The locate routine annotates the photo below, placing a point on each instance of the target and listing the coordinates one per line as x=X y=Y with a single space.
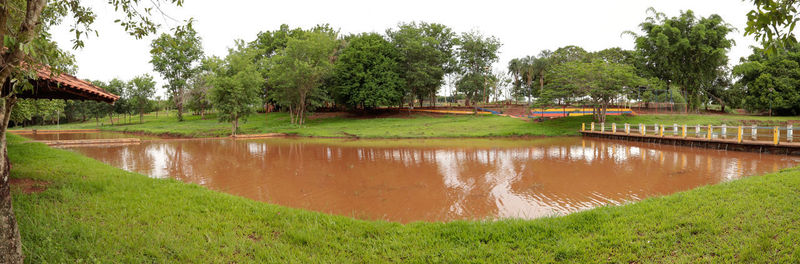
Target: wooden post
x=684 y=131
x=661 y=132
x=789 y=133
x=739 y=135
x=602 y=127
x=710 y=130
x=614 y=128
x=697 y=130
x=724 y=131
x=754 y=132
x=674 y=129
x=583 y=126
x=592 y=126
x=776 y=136
x=627 y=129
x=655 y=128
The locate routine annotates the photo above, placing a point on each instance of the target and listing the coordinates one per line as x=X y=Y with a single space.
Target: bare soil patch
x=29 y=185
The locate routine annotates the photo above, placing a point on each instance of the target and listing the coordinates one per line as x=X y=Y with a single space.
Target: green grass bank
x=412 y=126
x=92 y=212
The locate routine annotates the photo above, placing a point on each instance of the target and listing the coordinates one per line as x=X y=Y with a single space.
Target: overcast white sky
x=524 y=27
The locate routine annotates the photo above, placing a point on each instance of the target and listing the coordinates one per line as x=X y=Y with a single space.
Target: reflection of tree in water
x=438 y=183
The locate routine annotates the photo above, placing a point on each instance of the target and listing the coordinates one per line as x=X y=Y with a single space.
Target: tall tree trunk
x=10 y=242
x=179 y=104
x=235 y=124
x=141 y=116
x=541 y=84
x=111 y=118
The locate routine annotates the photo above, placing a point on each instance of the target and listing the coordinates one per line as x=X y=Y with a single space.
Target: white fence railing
x=774 y=134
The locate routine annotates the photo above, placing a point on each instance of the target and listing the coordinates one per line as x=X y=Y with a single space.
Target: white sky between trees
x=524 y=27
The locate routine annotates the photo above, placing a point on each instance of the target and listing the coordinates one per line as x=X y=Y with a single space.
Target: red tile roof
x=65 y=86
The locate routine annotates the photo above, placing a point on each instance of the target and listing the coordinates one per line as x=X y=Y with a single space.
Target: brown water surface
x=438 y=179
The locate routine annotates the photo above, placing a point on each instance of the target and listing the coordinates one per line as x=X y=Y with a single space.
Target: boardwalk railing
x=774 y=135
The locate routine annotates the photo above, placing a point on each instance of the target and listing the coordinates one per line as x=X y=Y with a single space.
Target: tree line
x=681 y=59
x=299 y=70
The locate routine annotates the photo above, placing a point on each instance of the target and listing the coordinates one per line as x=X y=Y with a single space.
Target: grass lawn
x=415 y=126
x=92 y=212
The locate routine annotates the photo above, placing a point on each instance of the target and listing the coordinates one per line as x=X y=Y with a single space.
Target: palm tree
x=515 y=69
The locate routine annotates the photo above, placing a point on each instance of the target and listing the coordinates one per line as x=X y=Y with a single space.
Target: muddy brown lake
x=438 y=179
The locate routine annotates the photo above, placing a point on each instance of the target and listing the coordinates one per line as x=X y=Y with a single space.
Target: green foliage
x=41 y=110
x=201 y=84
x=123 y=105
x=770 y=83
x=236 y=83
x=773 y=22
x=685 y=50
x=175 y=56
x=476 y=54
x=528 y=74
x=140 y=89
x=426 y=51
x=269 y=43
x=600 y=81
x=367 y=73
x=297 y=72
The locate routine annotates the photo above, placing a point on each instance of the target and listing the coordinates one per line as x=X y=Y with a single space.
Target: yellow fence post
x=739 y=134
x=614 y=128
x=710 y=130
x=683 y=132
x=583 y=126
x=661 y=133
x=627 y=129
x=776 y=136
x=642 y=129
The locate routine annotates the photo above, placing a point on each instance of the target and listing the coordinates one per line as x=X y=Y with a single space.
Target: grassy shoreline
x=92 y=212
x=412 y=126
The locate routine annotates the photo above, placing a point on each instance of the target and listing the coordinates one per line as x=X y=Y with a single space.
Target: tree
x=100 y=110
x=37 y=111
x=201 y=84
x=297 y=72
x=530 y=73
x=367 y=74
x=426 y=51
x=772 y=22
x=770 y=82
x=175 y=56
x=476 y=54
x=515 y=70
x=266 y=45
x=236 y=83
x=599 y=81
x=75 y=110
x=141 y=89
x=684 y=50
x=26 y=41
x=123 y=104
